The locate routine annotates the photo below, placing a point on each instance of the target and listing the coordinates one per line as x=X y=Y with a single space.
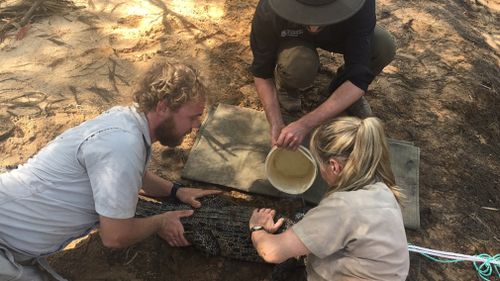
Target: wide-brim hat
x=289 y=171
x=316 y=12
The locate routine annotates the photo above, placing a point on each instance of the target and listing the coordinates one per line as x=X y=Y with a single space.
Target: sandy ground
x=441 y=92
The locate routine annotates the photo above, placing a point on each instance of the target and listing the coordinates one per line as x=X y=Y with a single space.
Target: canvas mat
x=232 y=145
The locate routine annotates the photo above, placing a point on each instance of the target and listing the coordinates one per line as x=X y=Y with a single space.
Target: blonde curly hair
x=175 y=83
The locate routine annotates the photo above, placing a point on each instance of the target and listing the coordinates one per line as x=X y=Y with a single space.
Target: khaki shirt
x=356 y=235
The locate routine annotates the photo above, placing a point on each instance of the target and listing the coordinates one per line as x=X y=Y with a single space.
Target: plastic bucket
x=292 y=172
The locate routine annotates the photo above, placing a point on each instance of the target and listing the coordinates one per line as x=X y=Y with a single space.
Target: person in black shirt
x=284 y=38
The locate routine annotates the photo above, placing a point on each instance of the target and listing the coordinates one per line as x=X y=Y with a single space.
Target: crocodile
x=218 y=228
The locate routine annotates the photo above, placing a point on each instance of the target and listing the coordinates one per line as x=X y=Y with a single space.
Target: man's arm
x=294 y=133
x=264 y=43
x=156 y=186
x=269 y=98
x=348 y=86
x=121 y=233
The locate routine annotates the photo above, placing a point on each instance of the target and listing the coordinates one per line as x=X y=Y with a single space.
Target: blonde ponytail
x=362 y=147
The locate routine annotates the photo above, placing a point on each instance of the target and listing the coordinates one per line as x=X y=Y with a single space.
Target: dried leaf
x=23 y=31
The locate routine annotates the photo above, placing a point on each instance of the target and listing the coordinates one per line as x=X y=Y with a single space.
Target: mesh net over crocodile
x=218 y=228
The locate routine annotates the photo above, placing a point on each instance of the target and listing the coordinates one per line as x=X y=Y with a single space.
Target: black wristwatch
x=256 y=228
x=175 y=188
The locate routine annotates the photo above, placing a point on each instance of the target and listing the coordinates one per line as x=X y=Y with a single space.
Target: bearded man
x=91 y=176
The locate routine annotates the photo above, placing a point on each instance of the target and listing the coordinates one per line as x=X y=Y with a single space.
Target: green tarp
x=233 y=143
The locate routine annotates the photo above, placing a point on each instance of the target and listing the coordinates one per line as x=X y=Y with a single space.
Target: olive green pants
x=298 y=62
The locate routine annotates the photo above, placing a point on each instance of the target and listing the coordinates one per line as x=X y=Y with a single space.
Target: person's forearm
x=156 y=186
x=269 y=98
x=268 y=246
x=339 y=100
x=123 y=233
x=276 y=248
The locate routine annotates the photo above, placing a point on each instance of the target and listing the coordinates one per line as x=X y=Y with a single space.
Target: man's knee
x=383 y=49
x=297 y=65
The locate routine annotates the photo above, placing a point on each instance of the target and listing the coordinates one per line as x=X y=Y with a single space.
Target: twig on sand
x=21 y=14
x=490 y=208
x=111 y=75
x=116 y=6
x=484 y=86
x=25 y=19
x=105 y=94
x=74 y=91
x=88 y=66
x=486 y=226
x=30 y=12
x=131 y=259
x=57 y=42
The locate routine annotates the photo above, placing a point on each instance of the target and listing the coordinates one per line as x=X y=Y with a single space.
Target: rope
x=484 y=264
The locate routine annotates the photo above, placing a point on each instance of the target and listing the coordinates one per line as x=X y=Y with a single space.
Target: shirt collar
x=143 y=123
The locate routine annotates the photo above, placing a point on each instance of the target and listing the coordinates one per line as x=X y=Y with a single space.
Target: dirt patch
x=441 y=92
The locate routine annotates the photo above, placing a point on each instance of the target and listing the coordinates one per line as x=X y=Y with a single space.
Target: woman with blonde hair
x=356 y=232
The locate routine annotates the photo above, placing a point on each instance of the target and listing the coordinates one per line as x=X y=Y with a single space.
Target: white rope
x=450 y=255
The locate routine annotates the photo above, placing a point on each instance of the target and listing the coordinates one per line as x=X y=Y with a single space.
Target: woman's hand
x=265 y=218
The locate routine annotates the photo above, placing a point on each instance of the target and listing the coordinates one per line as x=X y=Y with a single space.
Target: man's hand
x=172 y=229
x=275 y=133
x=265 y=218
x=292 y=135
x=189 y=195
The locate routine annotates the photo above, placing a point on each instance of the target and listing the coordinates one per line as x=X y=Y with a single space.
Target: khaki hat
x=292 y=172
x=316 y=12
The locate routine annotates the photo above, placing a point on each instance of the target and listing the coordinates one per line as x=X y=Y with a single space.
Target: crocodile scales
x=219 y=227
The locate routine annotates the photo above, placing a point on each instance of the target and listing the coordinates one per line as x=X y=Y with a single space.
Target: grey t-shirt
x=93 y=169
x=355 y=235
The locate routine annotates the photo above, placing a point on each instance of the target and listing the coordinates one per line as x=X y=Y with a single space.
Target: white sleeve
x=115 y=162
